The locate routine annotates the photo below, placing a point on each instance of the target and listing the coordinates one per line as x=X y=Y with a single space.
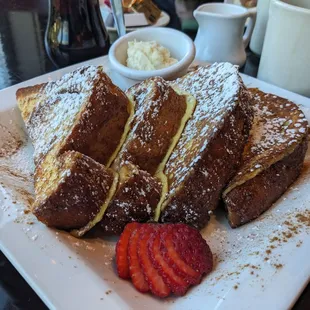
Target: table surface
x=23 y=56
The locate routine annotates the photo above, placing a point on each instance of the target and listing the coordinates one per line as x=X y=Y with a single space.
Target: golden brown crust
x=279 y=126
x=81 y=188
x=248 y=201
x=134 y=201
x=98 y=131
x=27 y=99
x=158 y=114
x=211 y=145
x=82 y=111
x=201 y=191
x=272 y=158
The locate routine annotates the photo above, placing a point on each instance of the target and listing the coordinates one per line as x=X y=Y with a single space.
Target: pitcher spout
x=199 y=15
x=220 y=35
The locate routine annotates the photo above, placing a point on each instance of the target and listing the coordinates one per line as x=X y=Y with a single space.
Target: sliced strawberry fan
x=162 y=258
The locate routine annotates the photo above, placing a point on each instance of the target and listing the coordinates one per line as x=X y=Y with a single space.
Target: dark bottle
x=75 y=32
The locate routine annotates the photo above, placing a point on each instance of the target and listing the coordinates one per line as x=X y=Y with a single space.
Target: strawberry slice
x=174 y=260
x=162 y=258
x=122 y=250
x=192 y=248
x=156 y=283
x=177 y=284
x=135 y=270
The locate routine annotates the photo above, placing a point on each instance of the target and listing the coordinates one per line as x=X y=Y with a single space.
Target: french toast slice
x=135 y=199
x=161 y=112
x=83 y=110
x=272 y=158
x=210 y=148
x=72 y=191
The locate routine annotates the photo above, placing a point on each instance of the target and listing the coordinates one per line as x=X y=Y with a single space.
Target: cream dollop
x=148 y=55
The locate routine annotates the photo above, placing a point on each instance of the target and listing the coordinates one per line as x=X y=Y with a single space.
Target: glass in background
x=75 y=32
x=285 y=60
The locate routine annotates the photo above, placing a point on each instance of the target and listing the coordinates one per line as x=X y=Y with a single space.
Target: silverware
x=118 y=15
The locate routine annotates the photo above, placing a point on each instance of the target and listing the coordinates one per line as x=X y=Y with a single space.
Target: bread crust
x=135 y=200
x=81 y=188
x=210 y=148
x=247 y=202
x=99 y=129
x=82 y=111
x=158 y=114
x=272 y=158
x=200 y=193
x=27 y=99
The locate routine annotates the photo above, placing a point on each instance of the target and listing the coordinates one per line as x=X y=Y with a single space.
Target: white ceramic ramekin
x=179 y=44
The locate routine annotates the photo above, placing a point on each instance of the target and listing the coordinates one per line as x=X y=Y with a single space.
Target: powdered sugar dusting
x=135 y=200
x=58 y=107
x=71 y=167
x=232 y=248
x=216 y=89
x=278 y=128
x=152 y=127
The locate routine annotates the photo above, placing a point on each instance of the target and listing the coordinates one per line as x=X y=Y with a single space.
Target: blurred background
x=22 y=28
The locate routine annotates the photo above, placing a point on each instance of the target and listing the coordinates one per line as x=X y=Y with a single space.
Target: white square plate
x=262 y=265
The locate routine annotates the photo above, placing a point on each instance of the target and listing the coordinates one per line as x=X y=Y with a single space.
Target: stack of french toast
x=162 y=151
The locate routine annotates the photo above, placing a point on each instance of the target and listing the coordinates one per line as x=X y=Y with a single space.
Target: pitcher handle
x=248 y=33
